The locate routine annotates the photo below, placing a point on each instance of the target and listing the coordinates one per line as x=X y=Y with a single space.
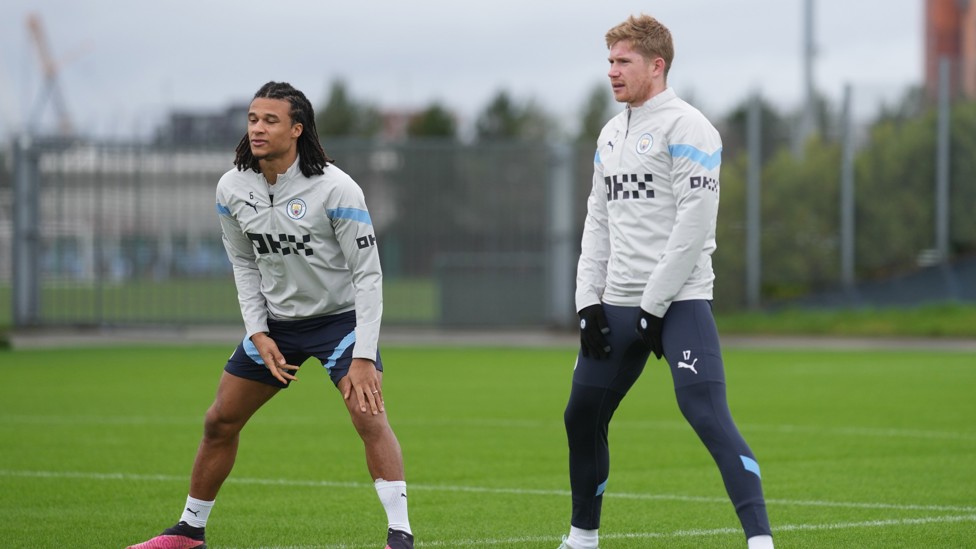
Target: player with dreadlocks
x=307 y=270
x=312 y=160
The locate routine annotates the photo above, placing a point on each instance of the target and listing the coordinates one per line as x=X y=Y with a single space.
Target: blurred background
x=848 y=176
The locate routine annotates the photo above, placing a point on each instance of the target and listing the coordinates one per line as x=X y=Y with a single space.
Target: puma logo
x=689 y=366
x=192 y=511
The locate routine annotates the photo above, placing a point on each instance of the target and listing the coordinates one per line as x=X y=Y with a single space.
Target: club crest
x=296 y=208
x=644 y=143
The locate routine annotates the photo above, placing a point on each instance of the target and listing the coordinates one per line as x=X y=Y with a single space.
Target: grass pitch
x=857 y=448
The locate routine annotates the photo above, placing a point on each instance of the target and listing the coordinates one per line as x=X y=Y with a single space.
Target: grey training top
x=302 y=248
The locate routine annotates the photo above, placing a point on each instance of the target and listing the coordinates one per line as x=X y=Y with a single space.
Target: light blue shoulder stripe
x=596 y=158
x=708 y=161
x=223 y=210
x=354 y=214
x=341 y=348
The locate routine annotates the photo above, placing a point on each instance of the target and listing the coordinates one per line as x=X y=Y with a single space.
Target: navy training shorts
x=329 y=338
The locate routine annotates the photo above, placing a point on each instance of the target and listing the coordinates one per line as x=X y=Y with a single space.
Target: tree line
x=894 y=181
x=894 y=173
x=504 y=118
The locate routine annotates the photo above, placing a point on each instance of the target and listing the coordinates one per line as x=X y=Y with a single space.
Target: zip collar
x=292 y=172
x=667 y=95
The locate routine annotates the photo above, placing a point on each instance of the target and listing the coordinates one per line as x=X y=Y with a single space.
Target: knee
x=370 y=427
x=579 y=417
x=589 y=410
x=702 y=420
x=217 y=426
x=706 y=414
x=577 y=413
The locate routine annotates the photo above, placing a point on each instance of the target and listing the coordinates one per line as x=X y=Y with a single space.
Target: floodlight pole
x=807 y=120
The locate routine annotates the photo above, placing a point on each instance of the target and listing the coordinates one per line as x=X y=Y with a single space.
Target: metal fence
x=124 y=234
x=487 y=234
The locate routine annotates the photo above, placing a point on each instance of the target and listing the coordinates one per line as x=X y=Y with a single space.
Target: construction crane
x=51 y=87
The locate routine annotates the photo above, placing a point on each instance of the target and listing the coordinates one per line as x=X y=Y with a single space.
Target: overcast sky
x=126 y=63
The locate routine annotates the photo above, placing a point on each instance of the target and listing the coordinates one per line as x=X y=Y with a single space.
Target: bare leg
x=383 y=457
x=237 y=400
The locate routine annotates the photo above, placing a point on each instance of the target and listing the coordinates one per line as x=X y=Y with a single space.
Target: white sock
x=393 y=496
x=196 y=512
x=583 y=539
x=760 y=542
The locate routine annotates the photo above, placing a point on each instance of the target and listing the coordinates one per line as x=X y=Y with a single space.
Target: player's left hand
x=364 y=382
x=650 y=329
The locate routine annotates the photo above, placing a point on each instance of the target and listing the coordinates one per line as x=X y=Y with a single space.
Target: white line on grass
x=862 y=431
x=502 y=423
x=483 y=490
x=98 y=420
x=880 y=432
x=662 y=535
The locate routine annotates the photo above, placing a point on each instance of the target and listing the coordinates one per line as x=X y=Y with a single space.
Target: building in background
x=225 y=128
x=204 y=129
x=950 y=32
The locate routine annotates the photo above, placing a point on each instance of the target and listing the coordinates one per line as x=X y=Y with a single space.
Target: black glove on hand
x=593 y=332
x=649 y=328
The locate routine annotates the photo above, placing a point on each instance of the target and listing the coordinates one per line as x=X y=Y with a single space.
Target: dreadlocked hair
x=312 y=159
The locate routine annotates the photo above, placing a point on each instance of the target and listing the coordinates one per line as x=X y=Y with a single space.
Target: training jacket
x=301 y=248
x=650 y=225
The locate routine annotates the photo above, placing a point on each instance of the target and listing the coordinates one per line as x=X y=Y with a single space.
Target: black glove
x=649 y=328
x=593 y=332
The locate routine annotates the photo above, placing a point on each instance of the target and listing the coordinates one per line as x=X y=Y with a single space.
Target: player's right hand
x=274 y=361
x=593 y=332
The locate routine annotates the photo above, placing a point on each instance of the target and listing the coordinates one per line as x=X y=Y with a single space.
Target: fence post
x=560 y=262
x=942 y=178
x=847 y=234
x=942 y=163
x=26 y=235
x=753 y=203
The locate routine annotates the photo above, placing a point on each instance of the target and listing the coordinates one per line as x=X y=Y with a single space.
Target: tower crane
x=51 y=85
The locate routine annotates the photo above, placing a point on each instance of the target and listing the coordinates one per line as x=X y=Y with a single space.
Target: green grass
x=858 y=449
x=415 y=301
x=196 y=301
x=936 y=320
